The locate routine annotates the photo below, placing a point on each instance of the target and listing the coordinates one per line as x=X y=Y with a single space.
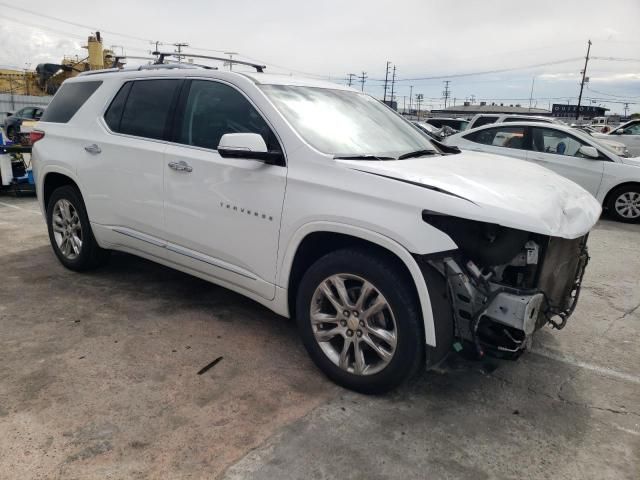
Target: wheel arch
x=315 y=240
x=53 y=180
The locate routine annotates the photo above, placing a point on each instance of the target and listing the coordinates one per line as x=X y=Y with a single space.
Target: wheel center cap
x=352 y=323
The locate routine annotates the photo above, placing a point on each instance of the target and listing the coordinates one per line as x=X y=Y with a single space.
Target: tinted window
x=557 y=142
x=435 y=122
x=508 y=137
x=484 y=121
x=26 y=113
x=213 y=109
x=524 y=119
x=114 y=113
x=147 y=108
x=68 y=101
x=632 y=129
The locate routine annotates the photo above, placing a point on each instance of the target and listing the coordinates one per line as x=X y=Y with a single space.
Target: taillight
x=36 y=135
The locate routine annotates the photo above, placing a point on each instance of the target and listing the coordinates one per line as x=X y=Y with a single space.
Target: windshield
x=346 y=123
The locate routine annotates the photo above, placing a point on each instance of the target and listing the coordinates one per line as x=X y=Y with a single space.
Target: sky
x=539 y=42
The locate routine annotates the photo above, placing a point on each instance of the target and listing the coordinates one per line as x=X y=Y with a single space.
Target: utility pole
x=626 y=109
x=419 y=98
x=351 y=75
x=472 y=98
x=410 y=97
x=386 y=80
x=231 y=54
x=393 y=84
x=446 y=93
x=362 y=78
x=157 y=43
x=584 y=73
x=179 y=50
x=533 y=81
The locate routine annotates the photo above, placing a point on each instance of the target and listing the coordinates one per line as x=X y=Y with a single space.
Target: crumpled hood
x=509 y=192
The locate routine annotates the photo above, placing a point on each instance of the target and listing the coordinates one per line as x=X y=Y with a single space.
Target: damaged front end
x=504 y=284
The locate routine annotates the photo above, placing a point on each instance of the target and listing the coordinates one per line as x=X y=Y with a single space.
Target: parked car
x=433 y=132
x=319 y=202
x=22 y=121
x=619 y=148
x=612 y=179
x=458 y=124
x=487 y=118
x=627 y=133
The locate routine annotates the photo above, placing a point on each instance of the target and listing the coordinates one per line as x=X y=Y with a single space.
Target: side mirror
x=588 y=151
x=248 y=146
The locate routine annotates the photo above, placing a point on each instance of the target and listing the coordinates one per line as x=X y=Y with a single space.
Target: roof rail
x=162 y=55
x=167 y=66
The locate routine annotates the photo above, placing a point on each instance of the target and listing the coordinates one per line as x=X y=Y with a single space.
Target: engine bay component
x=506 y=284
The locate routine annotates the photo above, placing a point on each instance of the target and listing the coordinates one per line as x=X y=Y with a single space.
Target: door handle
x=93 y=149
x=181 y=166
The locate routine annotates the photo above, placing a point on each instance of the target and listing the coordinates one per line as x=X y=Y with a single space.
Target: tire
x=623 y=203
x=396 y=329
x=11 y=133
x=67 y=222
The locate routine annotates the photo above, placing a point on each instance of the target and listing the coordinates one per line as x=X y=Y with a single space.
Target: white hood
x=634 y=161
x=506 y=191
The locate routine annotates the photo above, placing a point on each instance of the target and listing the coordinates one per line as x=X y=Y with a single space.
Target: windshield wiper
x=417 y=153
x=363 y=157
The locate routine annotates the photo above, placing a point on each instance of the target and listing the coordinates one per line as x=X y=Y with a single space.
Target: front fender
x=394 y=247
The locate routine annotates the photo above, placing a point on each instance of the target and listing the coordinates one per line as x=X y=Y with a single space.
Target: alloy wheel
x=627 y=205
x=353 y=324
x=67 y=230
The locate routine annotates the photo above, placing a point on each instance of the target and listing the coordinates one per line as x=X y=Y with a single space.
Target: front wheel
x=624 y=204
x=358 y=318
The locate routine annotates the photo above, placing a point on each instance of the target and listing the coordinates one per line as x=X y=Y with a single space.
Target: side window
x=114 y=112
x=26 y=113
x=213 y=109
x=68 y=101
x=484 y=121
x=434 y=122
x=37 y=114
x=508 y=137
x=632 y=129
x=557 y=142
x=147 y=108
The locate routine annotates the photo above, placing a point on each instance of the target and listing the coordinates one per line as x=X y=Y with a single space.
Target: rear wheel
x=70 y=231
x=358 y=318
x=624 y=203
x=11 y=133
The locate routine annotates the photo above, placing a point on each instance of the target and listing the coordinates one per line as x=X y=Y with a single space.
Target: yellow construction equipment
x=47 y=77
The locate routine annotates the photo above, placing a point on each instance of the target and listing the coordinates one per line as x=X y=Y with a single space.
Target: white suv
x=319 y=202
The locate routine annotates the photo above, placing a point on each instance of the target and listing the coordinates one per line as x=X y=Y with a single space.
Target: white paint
x=607 y=372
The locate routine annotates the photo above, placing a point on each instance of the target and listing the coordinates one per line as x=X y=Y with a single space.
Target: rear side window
x=142 y=108
x=508 y=137
x=68 y=101
x=484 y=121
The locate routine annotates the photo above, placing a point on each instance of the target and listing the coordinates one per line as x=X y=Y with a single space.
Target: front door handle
x=181 y=166
x=93 y=149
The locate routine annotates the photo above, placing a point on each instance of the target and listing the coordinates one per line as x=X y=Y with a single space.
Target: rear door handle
x=93 y=149
x=181 y=166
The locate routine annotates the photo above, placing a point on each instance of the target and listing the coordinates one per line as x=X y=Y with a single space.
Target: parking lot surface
x=100 y=380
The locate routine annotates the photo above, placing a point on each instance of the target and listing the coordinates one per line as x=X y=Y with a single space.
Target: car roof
x=523 y=123
x=188 y=71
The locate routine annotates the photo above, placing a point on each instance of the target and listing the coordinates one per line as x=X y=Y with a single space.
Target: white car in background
x=627 y=133
x=612 y=179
